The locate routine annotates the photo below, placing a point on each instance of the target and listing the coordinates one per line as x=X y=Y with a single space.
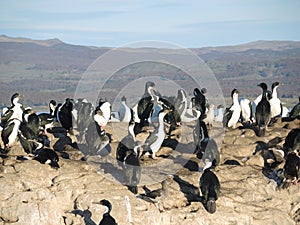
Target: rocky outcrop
x=34 y=193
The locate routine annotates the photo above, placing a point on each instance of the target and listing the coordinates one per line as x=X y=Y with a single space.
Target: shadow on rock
x=86 y=214
x=189 y=190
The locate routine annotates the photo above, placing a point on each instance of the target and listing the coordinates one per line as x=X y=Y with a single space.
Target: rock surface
x=34 y=193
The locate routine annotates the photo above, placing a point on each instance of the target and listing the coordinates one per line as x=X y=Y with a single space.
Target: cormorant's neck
x=264 y=94
x=131 y=131
x=15 y=101
x=161 y=118
x=235 y=99
x=52 y=109
x=274 y=92
x=107 y=210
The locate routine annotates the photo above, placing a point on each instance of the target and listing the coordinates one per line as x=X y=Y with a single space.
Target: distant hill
x=255 y=45
x=46 y=69
x=50 y=42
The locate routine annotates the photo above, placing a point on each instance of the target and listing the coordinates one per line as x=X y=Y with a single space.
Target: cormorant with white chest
x=232 y=114
x=15 y=111
x=48 y=118
x=124 y=111
x=156 y=138
x=275 y=103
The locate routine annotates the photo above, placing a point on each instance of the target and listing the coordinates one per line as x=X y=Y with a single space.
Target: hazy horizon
x=136 y=45
x=115 y=23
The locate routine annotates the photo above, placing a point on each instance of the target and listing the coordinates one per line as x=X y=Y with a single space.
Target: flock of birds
x=150 y=115
x=281 y=163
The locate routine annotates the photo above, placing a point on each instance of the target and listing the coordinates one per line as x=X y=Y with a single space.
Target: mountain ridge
x=276 y=45
x=33 y=66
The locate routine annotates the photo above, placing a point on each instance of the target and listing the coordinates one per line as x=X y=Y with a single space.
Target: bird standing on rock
x=127 y=154
x=210 y=189
x=124 y=111
x=146 y=104
x=275 y=103
x=232 y=114
x=48 y=118
x=156 y=138
x=246 y=110
x=64 y=115
x=15 y=111
x=263 y=111
x=103 y=113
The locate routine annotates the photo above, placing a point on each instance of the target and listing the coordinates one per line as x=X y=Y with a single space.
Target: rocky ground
x=34 y=193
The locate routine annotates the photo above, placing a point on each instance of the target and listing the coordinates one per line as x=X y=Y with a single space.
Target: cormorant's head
x=275 y=84
x=263 y=86
x=233 y=92
x=123 y=99
x=15 y=98
x=105 y=203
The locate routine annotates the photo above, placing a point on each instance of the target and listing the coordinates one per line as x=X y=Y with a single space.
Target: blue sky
x=189 y=23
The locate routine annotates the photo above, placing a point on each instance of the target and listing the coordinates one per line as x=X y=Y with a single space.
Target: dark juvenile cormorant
x=146 y=103
x=64 y=115
x=263 y=112
x=210 y=189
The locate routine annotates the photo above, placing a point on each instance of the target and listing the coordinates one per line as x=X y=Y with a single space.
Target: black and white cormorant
x=124 y=111
x=9 y=133
x=246 y=110
x=232 y=114
x=29 y=131
x=46 y=119
x=103 y=113
x=156 y=138
x=127 y=154
x=47 y=156
x=199 y=102
x=206 y=148
x=132 y=169
x=95 y=136
x=263 y=111
x=275 y=103
x=15 y=111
